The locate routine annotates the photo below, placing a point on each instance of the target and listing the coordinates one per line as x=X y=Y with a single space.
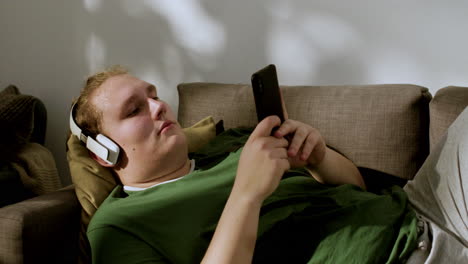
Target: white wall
x=48 y=47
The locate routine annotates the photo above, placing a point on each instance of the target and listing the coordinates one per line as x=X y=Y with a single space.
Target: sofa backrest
x=444 y=108
x=382 y=127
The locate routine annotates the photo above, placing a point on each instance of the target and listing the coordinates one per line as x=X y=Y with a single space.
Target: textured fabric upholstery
x=382 y=127
x=447 y=104
x=43 y=229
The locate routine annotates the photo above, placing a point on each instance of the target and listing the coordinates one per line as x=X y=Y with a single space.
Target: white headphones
x=102 y=146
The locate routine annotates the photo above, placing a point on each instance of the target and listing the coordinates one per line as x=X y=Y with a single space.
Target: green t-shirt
x=303 y=221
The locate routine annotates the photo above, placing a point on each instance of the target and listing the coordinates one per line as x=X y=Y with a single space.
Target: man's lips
x=164 y=125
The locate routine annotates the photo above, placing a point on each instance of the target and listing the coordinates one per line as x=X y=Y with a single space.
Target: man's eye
x=134 y=112
x=156 y=98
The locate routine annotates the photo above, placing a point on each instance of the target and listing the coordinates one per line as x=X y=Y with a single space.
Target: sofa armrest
x=444 y=108
x=42 y=229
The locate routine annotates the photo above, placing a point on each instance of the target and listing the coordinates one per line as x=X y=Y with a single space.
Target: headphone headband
x=102 y=146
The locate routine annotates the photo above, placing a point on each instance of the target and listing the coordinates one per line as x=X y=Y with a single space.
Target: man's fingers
x=285 y=165
x=279 y=153
x=265 y=127
x=281 y=131
x=308 y=147
x=298 y=140
x=272 y=143
x=286 y=128
x=279 y=142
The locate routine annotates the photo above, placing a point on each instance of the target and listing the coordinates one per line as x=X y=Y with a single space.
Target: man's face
x=140 y=123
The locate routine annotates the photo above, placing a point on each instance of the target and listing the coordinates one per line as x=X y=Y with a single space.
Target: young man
x=239 y=210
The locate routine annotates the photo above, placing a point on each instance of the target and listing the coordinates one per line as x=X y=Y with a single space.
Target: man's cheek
x=137 y=131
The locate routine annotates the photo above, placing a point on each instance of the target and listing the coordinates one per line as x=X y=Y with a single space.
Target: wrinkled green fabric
x=303 y=221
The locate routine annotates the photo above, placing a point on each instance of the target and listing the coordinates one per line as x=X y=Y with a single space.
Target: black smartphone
x=267 y=94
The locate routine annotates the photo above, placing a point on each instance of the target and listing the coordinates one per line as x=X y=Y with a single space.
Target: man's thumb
x=265 y=126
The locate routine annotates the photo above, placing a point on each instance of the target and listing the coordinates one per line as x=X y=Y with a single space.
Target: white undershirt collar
x=134 y=189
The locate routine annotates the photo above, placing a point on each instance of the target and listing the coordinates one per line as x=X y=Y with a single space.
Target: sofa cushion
x=382 y=127
x=444 y=108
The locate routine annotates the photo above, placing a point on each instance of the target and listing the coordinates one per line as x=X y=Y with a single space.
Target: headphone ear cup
x=108 y=143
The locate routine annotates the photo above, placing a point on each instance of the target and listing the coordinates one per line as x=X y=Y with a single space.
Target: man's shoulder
x=113 y=205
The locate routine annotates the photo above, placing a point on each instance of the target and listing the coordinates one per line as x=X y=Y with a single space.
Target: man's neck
x=179 y=171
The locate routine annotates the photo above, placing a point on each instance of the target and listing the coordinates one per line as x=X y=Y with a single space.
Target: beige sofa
x=389 y=128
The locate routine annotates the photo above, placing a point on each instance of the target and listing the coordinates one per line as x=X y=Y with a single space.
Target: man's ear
x=100 y=161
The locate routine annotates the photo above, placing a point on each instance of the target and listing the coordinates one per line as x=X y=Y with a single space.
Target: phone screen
x=267 y=94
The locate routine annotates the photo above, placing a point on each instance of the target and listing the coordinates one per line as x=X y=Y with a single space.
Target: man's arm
x=307 y=148
x=236 y=234
x=336 y=169
x=262 y=163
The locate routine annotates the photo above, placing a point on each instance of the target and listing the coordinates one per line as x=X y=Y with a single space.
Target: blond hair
x=87 y=116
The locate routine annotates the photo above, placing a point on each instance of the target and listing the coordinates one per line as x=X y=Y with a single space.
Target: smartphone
x=267 y=94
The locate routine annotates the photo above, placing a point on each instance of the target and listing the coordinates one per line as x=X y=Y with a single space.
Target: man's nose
x=156 y=108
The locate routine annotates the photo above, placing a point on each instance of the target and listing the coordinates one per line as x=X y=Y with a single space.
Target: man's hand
x=263 y=162
x=306 y=147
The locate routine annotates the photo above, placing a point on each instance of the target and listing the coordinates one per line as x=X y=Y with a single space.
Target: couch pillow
x=93 y=183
